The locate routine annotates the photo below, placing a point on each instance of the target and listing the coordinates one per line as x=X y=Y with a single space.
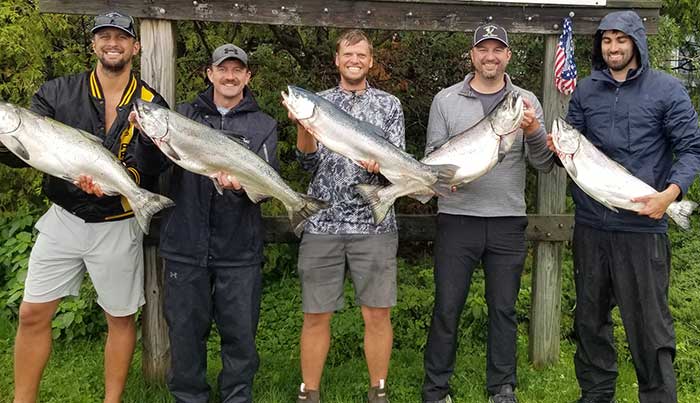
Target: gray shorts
x=67 y=246
x=370 y=259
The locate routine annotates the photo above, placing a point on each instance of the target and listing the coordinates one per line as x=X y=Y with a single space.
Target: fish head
x=299 y=102
x=566 y=139
x=153 y=119
x=506 y=118
x=10 y=119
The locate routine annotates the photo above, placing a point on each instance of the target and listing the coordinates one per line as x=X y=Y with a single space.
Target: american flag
x=564 y=64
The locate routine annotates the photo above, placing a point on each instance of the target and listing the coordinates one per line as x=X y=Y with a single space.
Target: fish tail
x=445 y=173
x=311 y=206
x=680 y=212
x=380 y=206
x=146 y=204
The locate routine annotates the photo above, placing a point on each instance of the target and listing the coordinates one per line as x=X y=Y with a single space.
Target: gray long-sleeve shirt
x=501 y=191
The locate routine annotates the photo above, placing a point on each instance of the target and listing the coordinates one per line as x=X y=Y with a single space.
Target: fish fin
x=298 y=218
x=237 y=138
x=368 y=127
x=168 y=151
x=217 y=186
x=502 y=150
x=445 y=173
x=604 y=202
x=680 y=212
x=573 y=171
x=145 y=204
x=422 y=197
x=17 y=147
x=256 y=197
x=380 y=207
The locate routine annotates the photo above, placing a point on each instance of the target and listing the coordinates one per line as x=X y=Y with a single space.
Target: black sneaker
x=595 y=399
x=377 y=394
x=446 y=399
x=308 y=396
x=505 y=395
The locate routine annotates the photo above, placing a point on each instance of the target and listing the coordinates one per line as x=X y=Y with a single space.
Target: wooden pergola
x=549 y=229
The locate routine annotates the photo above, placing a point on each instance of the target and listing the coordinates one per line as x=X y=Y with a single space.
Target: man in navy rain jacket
x=213 y=245
x=643 y=119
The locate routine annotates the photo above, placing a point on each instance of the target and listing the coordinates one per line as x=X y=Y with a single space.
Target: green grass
x=74 y=374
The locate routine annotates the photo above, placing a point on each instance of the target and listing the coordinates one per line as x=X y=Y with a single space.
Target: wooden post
x=551 y=199
x=158 y=70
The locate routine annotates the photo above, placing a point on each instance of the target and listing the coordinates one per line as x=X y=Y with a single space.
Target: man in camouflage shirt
x=345 y=234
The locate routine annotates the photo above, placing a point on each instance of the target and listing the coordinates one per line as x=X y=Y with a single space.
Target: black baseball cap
x=114 y=19
x=490 y=31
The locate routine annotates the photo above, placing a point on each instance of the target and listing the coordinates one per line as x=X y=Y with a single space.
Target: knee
x=317 y=321
x=120 y=323
x=35 y=316
x=376 y=318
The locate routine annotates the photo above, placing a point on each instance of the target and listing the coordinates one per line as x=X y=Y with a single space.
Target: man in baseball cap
x=473 y=229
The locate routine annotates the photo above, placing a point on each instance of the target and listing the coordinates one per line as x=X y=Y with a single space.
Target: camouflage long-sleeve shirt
x=335 y=176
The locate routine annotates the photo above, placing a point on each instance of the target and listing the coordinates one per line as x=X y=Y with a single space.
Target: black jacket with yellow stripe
x=78 y=101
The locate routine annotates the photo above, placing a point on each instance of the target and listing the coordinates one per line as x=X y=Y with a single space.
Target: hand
x=227 y=181
x=550 y=143
x=85 y=183
x=371 y=166
x=530 y=124
x=655 y=205
x=133 y=119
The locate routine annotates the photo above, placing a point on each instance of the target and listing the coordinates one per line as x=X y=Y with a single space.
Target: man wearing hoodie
x=213 y=244
x=643 y=119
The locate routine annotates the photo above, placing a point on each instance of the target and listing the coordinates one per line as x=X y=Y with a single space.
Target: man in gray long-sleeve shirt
x=484 y=220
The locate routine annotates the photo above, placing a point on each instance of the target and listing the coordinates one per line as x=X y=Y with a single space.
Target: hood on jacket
x=631 y=25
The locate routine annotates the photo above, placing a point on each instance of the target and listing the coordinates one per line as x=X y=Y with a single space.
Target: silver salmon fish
x=605 y=180
x=205 y=151
x=475 y=151
x=66 y=152
x=361 y=141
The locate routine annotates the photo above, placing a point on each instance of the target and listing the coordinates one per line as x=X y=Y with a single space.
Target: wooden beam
x=447 y=15
x=158 y=44
x=421 y=228
x=551 y=199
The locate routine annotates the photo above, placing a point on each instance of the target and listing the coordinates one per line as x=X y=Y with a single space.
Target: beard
x=115 y=66
x=619 y=65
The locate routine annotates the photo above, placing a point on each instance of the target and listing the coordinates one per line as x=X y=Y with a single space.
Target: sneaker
x=446 y=399
x=595 y=399
x=377 y=394
x=308 y=396
x=505 y=395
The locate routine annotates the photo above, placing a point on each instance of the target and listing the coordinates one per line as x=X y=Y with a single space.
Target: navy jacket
x=208 y=229
x=646 y=123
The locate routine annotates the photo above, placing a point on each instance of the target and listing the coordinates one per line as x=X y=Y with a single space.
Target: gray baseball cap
x=228 y=51
x=490 y=31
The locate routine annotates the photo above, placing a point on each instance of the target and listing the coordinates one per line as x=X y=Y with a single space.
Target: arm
x=540 y=157
x=681 y=128
x=437 y=127
x=308 y=151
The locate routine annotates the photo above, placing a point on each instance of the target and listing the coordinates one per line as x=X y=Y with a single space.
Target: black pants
x=630 y=270
x=461 y=242
x=193 y=296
